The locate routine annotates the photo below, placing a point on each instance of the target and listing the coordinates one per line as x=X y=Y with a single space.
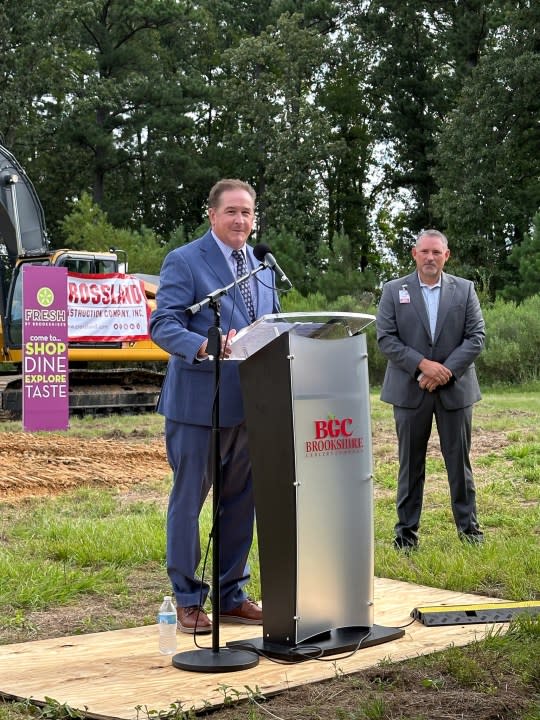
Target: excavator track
x=93 y=392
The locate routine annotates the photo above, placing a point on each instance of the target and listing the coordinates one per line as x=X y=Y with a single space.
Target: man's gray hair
x=432 y=233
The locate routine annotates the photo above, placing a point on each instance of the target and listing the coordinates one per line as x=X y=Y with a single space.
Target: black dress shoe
x=405 y=544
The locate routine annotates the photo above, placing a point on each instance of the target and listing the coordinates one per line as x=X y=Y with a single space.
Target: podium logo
x=332 y=436
x=333 y=428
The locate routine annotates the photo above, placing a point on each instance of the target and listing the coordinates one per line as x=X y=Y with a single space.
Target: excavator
x=116 y=376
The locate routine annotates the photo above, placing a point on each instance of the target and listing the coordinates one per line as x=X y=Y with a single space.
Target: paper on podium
x=322 y=325
x=255 y=336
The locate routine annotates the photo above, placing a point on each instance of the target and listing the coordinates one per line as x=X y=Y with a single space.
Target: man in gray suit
x=189 y=274
x=430 y=328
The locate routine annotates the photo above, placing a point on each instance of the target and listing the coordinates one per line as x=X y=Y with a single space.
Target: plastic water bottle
x=167 y=626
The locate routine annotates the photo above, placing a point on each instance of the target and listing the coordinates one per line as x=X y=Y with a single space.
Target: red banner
x=107 y=308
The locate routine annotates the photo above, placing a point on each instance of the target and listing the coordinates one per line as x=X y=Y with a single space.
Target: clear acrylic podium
x=306 y=397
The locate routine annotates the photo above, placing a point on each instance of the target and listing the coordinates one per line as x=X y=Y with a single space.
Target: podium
x=306 y=397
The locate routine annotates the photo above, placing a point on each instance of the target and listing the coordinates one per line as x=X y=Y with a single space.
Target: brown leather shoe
x=193 y=619
x=248 y=613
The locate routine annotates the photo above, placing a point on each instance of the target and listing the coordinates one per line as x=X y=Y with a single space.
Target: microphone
x=263 y=253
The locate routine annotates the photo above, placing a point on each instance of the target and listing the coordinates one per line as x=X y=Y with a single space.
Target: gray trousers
x=413 y=427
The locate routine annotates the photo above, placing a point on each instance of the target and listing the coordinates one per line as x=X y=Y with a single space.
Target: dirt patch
x=47 y=464
x=400 y=692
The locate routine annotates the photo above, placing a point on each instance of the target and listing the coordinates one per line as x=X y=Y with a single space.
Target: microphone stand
x=214 y=296
x=216 y=659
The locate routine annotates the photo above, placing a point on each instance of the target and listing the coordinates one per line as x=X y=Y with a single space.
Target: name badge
x=404 y=296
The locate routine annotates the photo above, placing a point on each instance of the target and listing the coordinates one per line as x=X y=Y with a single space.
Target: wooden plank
x=111 y=674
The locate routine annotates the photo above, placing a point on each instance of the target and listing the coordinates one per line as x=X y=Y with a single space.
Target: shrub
x=512 y=350
x=295 y=302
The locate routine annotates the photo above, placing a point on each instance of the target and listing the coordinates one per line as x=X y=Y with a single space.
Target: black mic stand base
x=207 y=660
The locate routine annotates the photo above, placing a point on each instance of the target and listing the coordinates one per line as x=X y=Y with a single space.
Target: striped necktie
x=241 y=269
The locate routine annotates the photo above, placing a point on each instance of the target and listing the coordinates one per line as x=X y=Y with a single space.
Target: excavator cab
x=79 y=262
x=22 y=235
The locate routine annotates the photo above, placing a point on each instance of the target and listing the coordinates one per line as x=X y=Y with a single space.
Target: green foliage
x=293 y=301
x=467 y=670
x=408 y=85
x=353 y=139
x=300 y=267
x=175 y=711
x=340 y=272
x=526 y=259
x=87 y=228
x=51 y=710
x=512 y=349
x=85 y=545
x=54 y=710
x=35 y=582
x=487 y=160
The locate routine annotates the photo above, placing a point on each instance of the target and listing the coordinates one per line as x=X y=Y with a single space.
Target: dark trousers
x=413 y=427
x=188 y=452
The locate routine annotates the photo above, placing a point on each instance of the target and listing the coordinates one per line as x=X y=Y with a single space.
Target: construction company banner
x=45 y=348
x=107 y=308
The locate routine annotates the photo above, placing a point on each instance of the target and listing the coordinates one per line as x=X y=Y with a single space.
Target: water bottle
x=167 y=626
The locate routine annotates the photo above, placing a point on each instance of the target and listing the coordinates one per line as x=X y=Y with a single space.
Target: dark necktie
x=241 y=269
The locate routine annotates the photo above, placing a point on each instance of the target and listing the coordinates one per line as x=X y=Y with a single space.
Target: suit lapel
x=417 y=300
x=214 y=260
x=218 y=266
x=448 y=289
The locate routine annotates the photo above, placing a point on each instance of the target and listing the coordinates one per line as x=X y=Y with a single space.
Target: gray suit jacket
x=404 y=338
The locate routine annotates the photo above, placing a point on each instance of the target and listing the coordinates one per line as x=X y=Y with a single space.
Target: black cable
x=272 y=287
x=400 y=627
x=299 y=653
x=333 y=658
x=206 y=553
x=261 y=653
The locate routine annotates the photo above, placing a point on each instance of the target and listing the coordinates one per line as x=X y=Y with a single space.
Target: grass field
x=92 y=559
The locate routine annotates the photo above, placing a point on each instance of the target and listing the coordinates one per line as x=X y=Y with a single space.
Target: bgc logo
x=333 y=428
x=334 y=436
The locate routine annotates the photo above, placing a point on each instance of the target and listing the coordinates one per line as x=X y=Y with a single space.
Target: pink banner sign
x=45 y=348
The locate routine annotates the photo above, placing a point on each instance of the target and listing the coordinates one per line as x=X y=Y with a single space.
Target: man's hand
x=225 y=346
x=433 y=375
x=226 y=343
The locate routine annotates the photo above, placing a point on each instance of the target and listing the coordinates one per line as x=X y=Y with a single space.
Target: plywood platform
x=110 y=674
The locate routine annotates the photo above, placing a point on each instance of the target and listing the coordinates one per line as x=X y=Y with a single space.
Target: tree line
x=358 y=122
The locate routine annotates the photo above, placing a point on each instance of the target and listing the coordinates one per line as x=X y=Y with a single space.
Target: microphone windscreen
x=260 y=251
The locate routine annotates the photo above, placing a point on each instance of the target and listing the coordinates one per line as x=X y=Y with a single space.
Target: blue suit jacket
x=189 y=274
x=404 y=338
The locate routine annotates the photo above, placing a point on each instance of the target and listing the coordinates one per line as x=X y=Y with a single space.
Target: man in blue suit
x=189 y=274
x=430 y=328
